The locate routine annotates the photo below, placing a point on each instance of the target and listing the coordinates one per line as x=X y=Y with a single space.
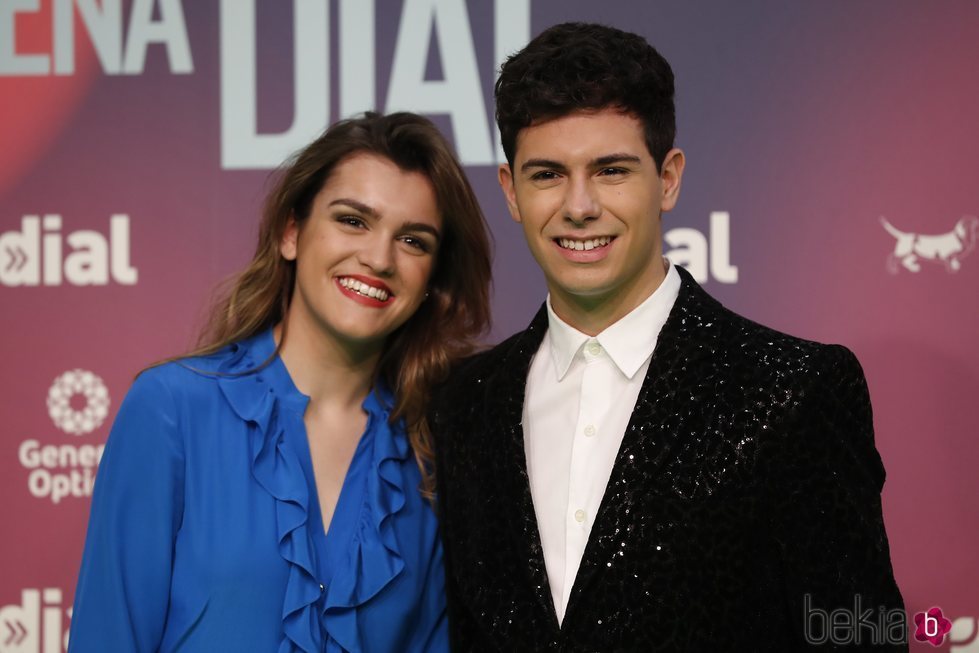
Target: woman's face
x=366 y=252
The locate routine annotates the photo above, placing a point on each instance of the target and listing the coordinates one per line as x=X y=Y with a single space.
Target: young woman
x=266 y=493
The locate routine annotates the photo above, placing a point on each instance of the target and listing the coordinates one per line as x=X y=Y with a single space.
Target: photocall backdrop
x=830 y=192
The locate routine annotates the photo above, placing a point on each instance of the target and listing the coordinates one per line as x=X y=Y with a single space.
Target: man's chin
x=583 y=294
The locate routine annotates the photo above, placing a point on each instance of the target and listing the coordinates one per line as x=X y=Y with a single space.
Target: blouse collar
x=257 y=385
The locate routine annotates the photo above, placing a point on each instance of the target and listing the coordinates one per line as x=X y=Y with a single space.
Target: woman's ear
x=290 y=240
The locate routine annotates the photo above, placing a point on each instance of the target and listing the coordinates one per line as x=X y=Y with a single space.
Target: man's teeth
x=362 y=288
x=579 y=245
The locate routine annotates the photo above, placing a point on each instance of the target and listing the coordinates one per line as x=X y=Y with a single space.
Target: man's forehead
x=583 y=134
x=585 y=113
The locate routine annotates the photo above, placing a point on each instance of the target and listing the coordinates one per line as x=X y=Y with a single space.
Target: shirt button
x=594 y=348
x=589 y=430
x=579 y=516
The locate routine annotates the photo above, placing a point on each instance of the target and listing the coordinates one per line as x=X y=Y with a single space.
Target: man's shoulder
x=466 y=393
x=710 y=346
x=471 y=372
x=742 y=338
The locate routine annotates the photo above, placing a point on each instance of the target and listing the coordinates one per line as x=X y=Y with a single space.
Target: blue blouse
x=206 y=532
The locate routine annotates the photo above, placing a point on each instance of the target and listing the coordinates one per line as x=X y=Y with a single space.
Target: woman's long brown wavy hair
x=417 y=356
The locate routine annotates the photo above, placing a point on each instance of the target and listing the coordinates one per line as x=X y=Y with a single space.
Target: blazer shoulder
x=470 y=383
x=699 y=320
x=758 y=341
x=470 y=371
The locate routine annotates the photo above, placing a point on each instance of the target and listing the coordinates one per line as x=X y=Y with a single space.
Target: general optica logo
x=948 y=248
x=93 y=395
x=78 y=404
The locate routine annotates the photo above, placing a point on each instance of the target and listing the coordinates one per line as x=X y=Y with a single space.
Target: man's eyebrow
x=357 y=206
x=610 y=159
x=541 y=163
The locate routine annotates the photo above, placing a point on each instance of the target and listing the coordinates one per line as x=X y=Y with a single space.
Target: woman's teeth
x=362 y=288
x=580 y=245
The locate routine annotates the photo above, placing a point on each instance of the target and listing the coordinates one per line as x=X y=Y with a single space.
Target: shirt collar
x=628 y=342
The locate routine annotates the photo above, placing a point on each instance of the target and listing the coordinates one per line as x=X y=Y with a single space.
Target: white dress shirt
x=580 y=394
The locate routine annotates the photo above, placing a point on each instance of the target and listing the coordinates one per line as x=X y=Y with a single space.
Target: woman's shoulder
x=163 y=389
x=190 y=376
x=179 y=372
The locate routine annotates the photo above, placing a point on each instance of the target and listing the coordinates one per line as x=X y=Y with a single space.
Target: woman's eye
x=351 y=220
x=415 y=243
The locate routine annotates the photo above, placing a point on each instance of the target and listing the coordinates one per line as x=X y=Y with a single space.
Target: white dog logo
x=949 y=248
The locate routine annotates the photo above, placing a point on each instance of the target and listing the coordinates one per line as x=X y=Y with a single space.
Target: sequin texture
x=747 y=479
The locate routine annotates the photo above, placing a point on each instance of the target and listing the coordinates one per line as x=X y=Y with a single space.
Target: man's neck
x=592 y=314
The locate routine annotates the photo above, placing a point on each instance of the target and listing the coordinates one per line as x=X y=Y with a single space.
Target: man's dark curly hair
x=574 y=66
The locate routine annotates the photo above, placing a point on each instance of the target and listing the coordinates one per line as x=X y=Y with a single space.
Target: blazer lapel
x=649 y=444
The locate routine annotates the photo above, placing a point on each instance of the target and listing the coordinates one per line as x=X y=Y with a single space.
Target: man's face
x=587 y=193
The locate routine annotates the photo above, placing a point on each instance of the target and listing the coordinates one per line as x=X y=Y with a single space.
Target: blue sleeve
x=124 y=585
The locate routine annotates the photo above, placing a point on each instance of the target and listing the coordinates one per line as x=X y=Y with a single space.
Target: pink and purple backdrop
x=137 y=137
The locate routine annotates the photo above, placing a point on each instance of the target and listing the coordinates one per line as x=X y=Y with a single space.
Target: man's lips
x=584 y=250
x=583 y=244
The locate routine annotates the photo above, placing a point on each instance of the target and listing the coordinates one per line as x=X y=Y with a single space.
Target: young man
x=642 y=469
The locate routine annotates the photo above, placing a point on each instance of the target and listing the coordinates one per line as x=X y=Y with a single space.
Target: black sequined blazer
x=743 y=505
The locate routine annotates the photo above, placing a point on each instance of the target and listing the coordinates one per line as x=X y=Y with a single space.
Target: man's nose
x=581 y=203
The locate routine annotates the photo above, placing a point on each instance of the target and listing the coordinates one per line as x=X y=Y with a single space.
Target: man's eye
x=612 y=171
x=544 y=175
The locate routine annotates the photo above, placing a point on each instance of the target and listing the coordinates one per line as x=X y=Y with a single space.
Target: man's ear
x=671 y=174
x=289 y=244
x=505 y=176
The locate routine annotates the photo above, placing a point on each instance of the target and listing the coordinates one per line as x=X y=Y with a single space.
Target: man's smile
x=579 y=245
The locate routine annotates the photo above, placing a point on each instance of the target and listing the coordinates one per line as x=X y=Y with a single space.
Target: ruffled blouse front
x=211 y=455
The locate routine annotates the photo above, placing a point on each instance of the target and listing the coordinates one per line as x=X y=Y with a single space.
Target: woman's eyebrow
x=370 y=211
x=357 y=206
x=422 y=226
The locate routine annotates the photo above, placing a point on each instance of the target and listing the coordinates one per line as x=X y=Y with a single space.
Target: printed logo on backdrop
x=947 y=249
x=37 y=624
x=122 y=47
x=705 y=256
x=964 y=635
x=78 y=404
x=40 y=254
x=94 y=395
